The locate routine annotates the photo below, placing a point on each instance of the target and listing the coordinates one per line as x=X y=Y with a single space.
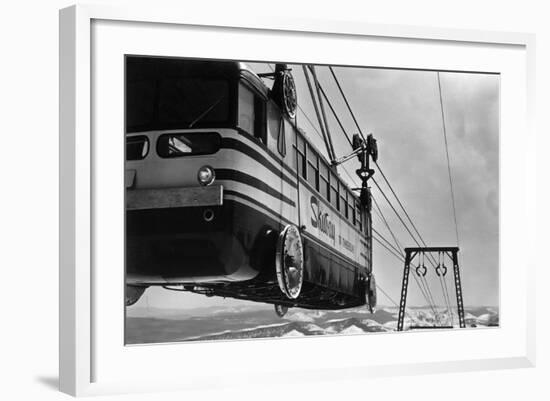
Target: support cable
x=412 y=236
x=422 y=285
x=321 y=118
x=448 y=159
x=389 y=244
x=432 y=259
x=446 y=290
x=397 y=255
x=320 y=92
x=335 y=114
x=347 y=103
x=393 y=302
x=377 y=206
x=387 y=182
x=396 y=213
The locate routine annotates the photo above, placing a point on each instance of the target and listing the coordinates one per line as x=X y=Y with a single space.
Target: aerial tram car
x=226 y=196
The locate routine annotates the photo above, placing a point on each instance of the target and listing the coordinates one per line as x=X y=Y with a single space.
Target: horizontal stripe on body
x=230 y=143
x=270 y=203
x=278 y=158
x=237 y=196
x=234 y=175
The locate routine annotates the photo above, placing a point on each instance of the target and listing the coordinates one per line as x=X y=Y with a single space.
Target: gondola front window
x=176 y=94
x=177 y=103
x=137 y=147
x=188 y=144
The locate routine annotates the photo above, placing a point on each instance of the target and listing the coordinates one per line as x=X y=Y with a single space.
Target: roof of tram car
x=140 y=67
x=249 y=75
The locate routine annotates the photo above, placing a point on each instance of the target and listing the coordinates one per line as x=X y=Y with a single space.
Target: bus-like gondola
x=226 y=196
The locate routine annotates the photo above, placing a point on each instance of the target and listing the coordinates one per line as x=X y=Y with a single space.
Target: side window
x=290 y=136
x=301 y=156
x=347 y=213
x=260 y=131
x=252 y=112
x=324 y=187
x=351 y=201
x=137 y=147
x=359 y=217
x=334 y=191
x=188 y=144
x=312 y=168
x=343 y=209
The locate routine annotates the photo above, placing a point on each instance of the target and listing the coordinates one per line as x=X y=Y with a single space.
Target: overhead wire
x=431 y=258
x=448 y=166
x=335 y=114
x=448 y=159
x=398 y=254
x=395 y=211
x=347 y=103
x=383 y=218
x=424 y=288
x=389 y=244
x=363 y=137
x=383 y=175
x=446 y=291
x=423 y=284
x=394 y=303
x=388 y=248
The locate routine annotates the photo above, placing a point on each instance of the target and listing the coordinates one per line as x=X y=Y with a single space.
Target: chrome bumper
x=164 y=198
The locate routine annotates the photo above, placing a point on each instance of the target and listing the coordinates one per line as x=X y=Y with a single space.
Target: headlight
x=206 y=175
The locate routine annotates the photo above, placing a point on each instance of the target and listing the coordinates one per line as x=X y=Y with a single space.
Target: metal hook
x=441 y=269
x=421 y=269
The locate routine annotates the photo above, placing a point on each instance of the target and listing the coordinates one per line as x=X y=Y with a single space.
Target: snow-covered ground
x=263 y=323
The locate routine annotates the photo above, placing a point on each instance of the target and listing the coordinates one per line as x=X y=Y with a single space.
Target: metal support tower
x=404 y=287
x=458 y=288
x=410 y=254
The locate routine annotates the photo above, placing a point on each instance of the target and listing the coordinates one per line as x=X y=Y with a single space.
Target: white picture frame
x=84 y=357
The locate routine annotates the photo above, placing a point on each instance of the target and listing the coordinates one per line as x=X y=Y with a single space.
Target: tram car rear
x=215 y=200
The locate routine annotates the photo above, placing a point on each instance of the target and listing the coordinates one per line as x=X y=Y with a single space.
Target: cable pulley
x=441 y=269
x=421 y=270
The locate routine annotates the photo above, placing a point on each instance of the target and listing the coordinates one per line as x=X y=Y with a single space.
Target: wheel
x=133 y=294
x=370 y=293
x=289 y=262
x=281 y=310
x=289 y=95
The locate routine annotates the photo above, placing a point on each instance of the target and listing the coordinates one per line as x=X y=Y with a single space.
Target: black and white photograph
x=249 y=200
x=267 y=199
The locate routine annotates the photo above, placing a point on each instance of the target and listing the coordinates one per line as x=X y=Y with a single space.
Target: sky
x=402 y=109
